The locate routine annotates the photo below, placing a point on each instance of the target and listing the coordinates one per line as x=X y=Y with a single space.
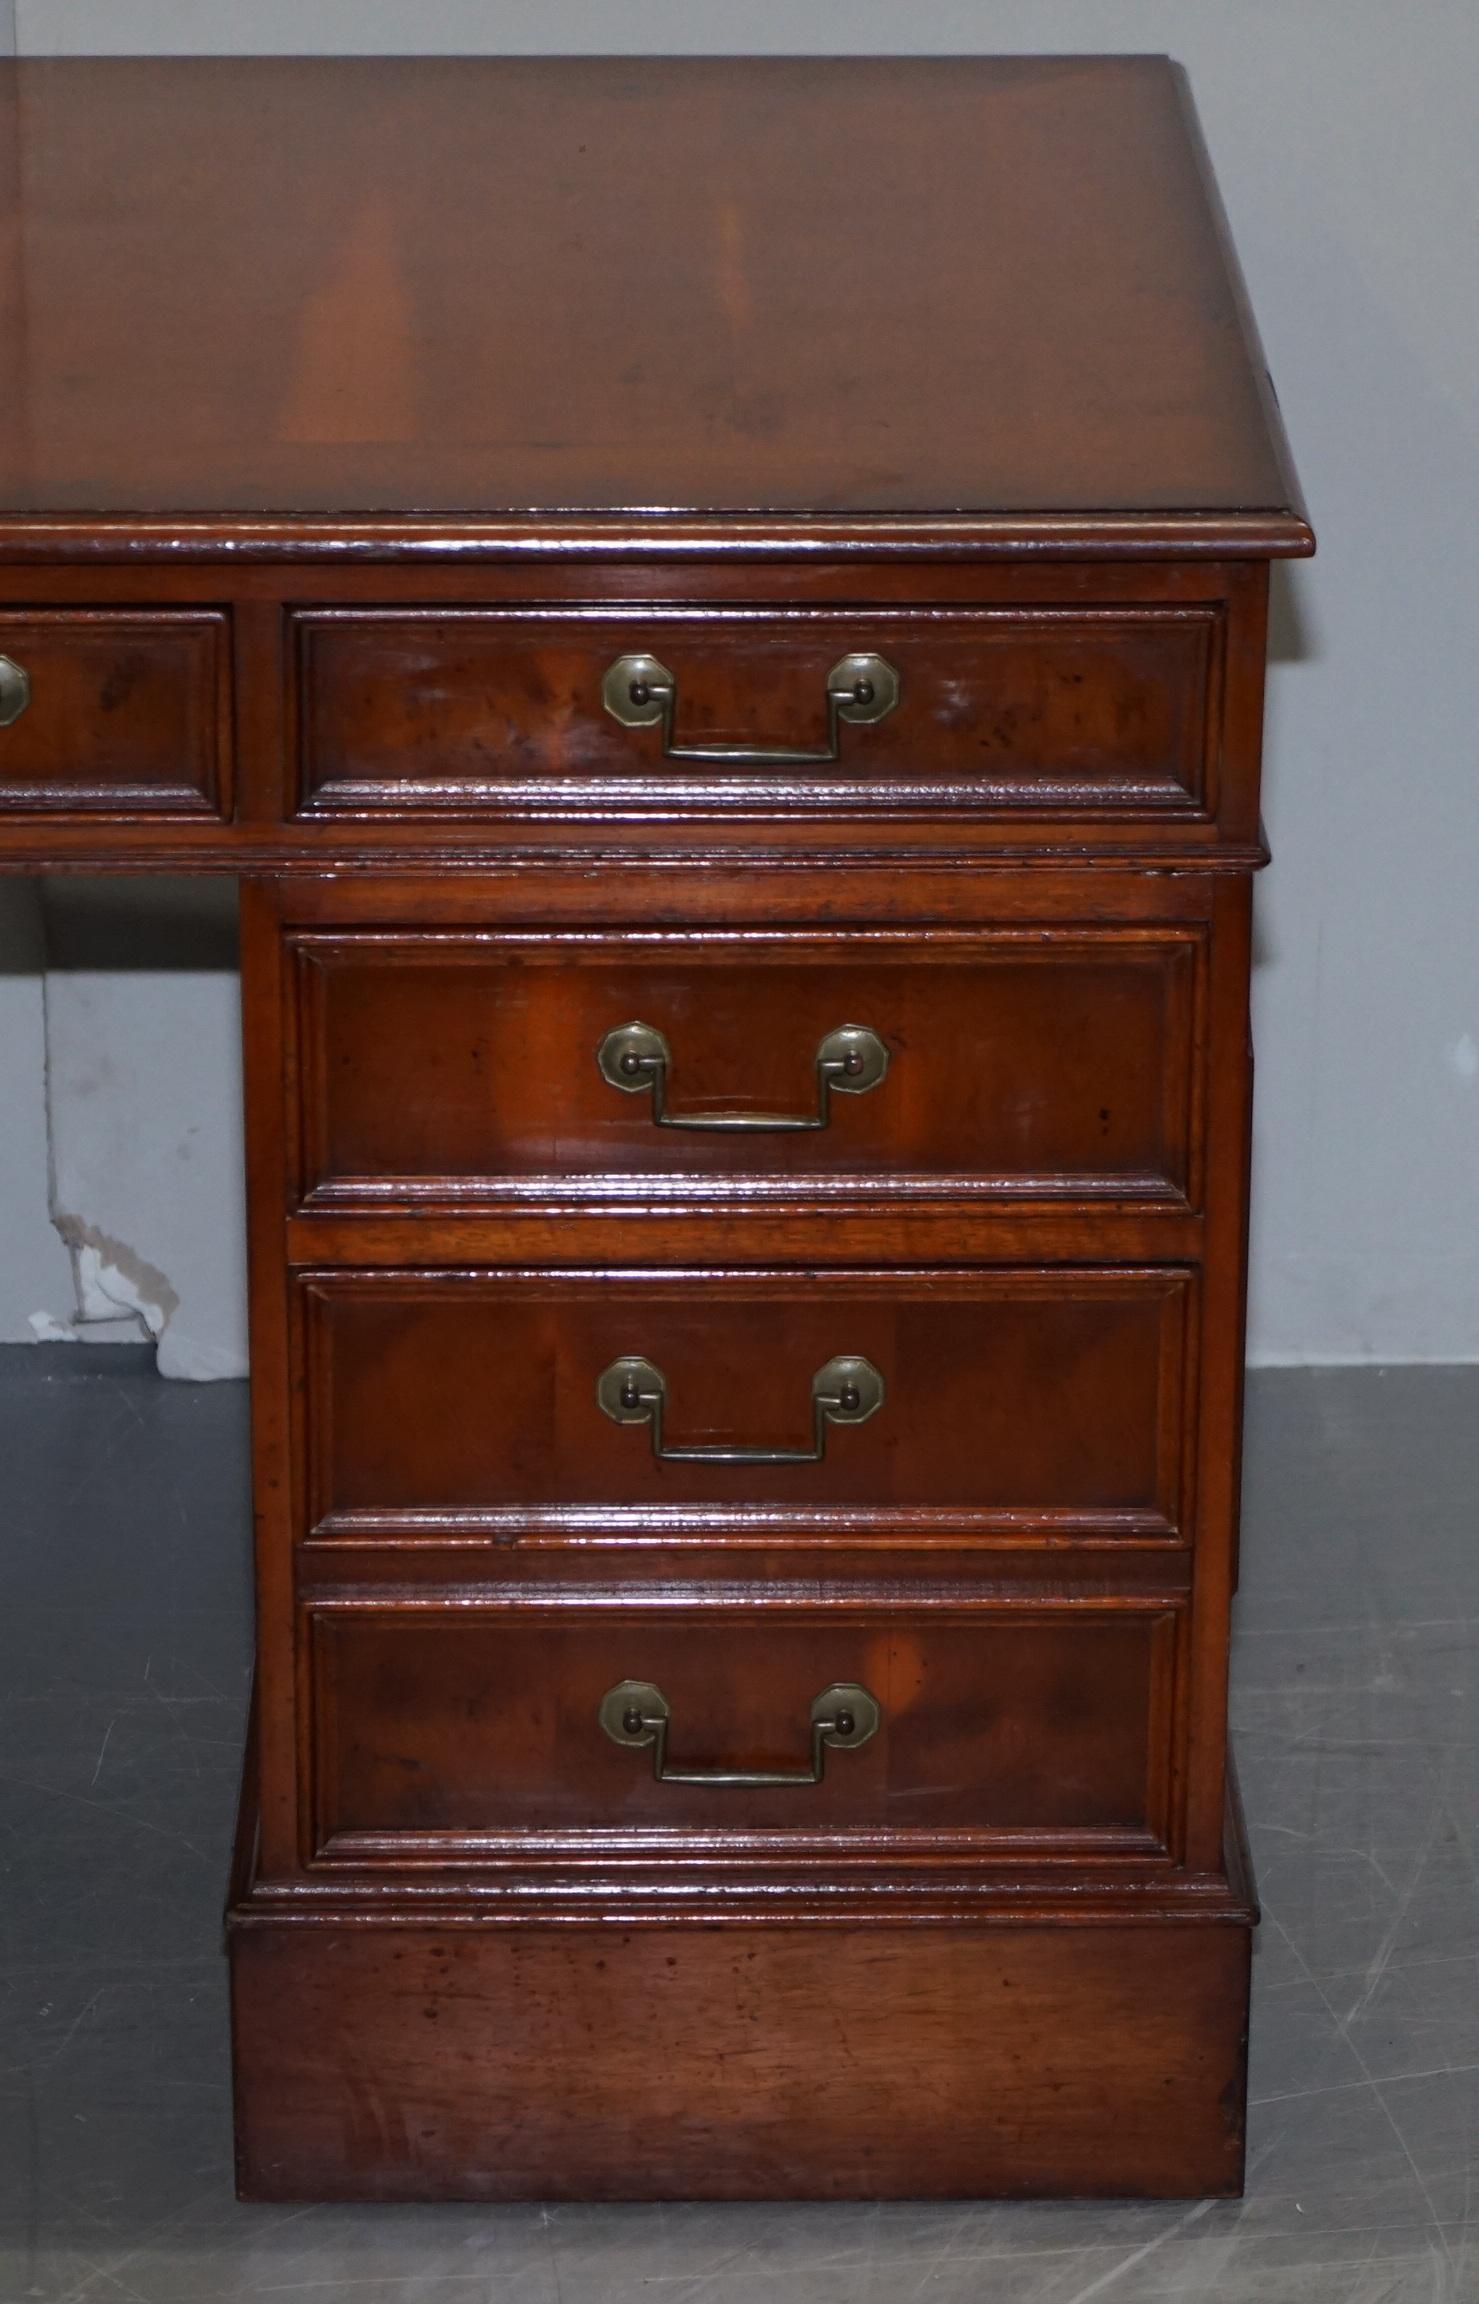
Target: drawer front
x=1014 y=1062
x=467 y=1724
x=1109 y=710
x=534 y=1404
x=118 y=713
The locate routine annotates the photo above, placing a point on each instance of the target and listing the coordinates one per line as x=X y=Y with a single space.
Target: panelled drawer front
x=115 y=712
x=1020 y=1402
x=456 y=1067
x=1110 y=709
x=435 y=1724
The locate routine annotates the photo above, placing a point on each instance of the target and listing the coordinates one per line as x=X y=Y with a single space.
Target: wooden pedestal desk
x=718 y=611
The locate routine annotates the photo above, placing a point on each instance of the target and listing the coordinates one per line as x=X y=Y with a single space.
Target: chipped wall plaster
x=116 y=1289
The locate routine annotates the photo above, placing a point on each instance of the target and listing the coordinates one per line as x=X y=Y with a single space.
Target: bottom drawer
x=441 y=1728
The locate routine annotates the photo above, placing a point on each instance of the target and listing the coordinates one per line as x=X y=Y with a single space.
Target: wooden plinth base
x=386 y=2057
x=598 y=2063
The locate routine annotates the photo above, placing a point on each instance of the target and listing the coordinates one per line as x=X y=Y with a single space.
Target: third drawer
x=749 y=1407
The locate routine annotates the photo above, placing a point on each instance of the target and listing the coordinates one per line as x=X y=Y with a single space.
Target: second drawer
x=754 y=1407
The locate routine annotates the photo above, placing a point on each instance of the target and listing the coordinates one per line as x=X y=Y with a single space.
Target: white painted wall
x=35 y=1271
x=1343 y=133
x=143 y=1018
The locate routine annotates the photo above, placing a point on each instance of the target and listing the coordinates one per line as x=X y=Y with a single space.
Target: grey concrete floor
x=124 y=1622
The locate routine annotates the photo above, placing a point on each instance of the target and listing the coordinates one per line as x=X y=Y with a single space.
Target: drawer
x=473 y=1724
x=789 y=1407
x=503 y=1068
x=1103 y=710
x=123 y=713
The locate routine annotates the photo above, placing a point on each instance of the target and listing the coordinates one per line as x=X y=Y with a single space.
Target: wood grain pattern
x=449 y=1070
x=446 y=1730
x=415 y=713
x=485 y=819
x=731 y=2063
x=327 y=491
x=604 y=287
x=1035 y=1399
x=129 y=714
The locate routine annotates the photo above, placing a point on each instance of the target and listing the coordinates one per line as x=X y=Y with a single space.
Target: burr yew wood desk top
x=718 y=611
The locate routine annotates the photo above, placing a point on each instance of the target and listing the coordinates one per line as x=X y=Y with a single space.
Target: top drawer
x=1110 y=711
x=113 y=712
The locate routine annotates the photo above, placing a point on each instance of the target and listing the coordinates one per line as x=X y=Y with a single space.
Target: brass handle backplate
x=846 y=1391
x=642 y=693
x=15 y=690
x=636 y=1058
x=634 y=1714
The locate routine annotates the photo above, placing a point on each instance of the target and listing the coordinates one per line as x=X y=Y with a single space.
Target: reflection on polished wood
x=545 y=287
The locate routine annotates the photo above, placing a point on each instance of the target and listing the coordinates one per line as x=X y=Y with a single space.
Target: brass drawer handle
x=846 y=1391
x=642 y=693
x=636 y=1058
x=634 y=1714
x=15 y=690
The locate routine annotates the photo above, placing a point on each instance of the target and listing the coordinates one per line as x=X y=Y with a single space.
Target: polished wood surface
x=1114 y=709
x=454 y=1730
x=666 y=1197
x=729 y=2063
x=1039 y=1394
x=456 y=1069
x=836 y=286
x=1155 y=759
x=129 y=714
x=356 y=417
